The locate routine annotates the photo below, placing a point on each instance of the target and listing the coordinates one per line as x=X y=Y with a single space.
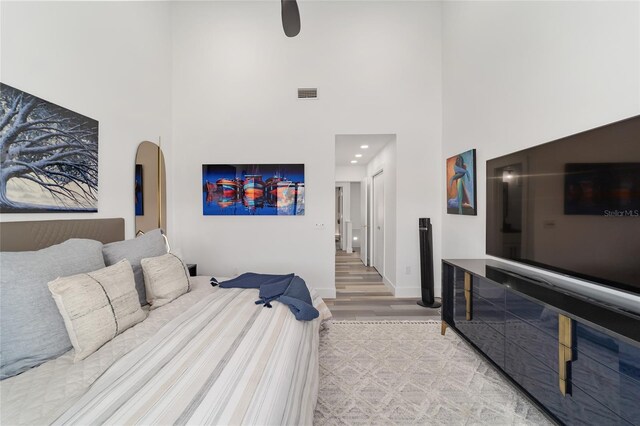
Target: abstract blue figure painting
x=461 y=183
x=49 y=156
x=253 y=189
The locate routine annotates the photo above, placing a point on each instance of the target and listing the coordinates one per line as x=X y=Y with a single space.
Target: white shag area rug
x=407 y=373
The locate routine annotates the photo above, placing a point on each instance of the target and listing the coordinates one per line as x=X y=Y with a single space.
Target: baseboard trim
x=391 y=286
x=407 y=292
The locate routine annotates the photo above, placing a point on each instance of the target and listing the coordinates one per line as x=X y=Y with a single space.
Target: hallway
x=361 y=295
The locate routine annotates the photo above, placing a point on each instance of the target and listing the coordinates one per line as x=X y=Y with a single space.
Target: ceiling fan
x=290 y=17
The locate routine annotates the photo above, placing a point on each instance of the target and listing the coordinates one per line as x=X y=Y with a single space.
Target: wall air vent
x=308 y=93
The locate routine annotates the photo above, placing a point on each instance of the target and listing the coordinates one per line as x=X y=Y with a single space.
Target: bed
x=210 y=356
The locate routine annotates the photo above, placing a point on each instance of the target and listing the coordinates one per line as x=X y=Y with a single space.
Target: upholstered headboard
x=35 y=235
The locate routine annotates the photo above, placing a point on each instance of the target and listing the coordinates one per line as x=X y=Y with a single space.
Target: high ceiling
x=347 y=146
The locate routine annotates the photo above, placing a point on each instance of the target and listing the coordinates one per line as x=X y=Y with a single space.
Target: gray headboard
x=35 y=235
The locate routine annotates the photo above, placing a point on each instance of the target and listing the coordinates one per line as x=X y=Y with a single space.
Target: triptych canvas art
x=253 y=189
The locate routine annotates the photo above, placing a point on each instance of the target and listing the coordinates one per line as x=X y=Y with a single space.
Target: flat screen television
x=571 y=205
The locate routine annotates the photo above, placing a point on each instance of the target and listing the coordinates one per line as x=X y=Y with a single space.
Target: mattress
x=261 y=367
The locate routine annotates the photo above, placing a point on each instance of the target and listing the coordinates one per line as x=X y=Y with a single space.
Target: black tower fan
x=426 y=263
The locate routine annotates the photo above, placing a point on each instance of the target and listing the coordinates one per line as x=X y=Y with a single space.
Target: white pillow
x=97 y=306
x=165 y=279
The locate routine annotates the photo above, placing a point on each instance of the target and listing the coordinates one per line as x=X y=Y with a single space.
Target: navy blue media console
x=577 y=359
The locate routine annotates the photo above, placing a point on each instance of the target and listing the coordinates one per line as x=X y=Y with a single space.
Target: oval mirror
x=150 y=189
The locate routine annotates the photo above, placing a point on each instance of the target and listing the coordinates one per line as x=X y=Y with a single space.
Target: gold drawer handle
x=467 y=293
x=565 y=353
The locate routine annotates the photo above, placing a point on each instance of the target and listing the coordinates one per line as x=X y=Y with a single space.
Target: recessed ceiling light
x=354 y=161
x=364 y=146
x=358 y=155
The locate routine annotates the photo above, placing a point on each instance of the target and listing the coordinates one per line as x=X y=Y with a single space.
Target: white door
x=364 y=220
x=378 y=223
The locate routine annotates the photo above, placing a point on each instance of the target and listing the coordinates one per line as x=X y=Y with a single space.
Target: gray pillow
x=32 y=330
x=151 y=244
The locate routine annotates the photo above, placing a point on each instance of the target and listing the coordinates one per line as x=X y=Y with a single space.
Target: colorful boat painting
x=290 y=197
x=253 y=189
x=210 y=189
x=225 y=202
x=253 y=186
x=229 y=187
x=271 y=185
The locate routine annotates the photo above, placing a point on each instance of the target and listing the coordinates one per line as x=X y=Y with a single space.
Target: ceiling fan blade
x=290 y=17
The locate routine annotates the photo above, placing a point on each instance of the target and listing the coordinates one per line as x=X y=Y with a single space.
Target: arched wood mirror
x=150 y=188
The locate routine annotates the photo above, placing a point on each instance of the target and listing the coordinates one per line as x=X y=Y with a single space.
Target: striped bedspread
x=223 y=361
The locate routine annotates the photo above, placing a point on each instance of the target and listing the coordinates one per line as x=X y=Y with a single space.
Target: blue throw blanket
x=288 y=289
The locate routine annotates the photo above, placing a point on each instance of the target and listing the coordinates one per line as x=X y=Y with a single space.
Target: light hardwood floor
x=361 y=295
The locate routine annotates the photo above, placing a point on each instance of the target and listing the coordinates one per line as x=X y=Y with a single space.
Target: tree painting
x=48 y=156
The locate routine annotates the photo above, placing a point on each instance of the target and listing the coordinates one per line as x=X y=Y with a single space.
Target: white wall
x=386 y=162
x=235 y=74
x=354 y=212
x=107 y=60
x=518 y=74
x=350 y=173
x=507 y=75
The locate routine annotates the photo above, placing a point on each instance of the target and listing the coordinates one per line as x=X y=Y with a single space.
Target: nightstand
x=193 y=269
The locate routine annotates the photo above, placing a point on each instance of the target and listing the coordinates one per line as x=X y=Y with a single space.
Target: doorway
x=366 y=173
x=378 y=221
